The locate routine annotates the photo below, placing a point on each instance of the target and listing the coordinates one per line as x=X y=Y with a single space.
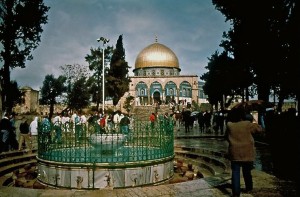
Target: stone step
x=9 y=154
x=213 y=164
x=10 y=168
x=205 y=151
x=197 y=165
x=147 y=110
x=16 y=160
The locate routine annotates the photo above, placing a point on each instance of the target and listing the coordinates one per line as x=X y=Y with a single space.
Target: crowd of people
x=24 y=135
x=238 y=127
x=207 y=122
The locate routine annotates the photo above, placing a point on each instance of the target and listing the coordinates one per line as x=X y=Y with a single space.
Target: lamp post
x=104 y=40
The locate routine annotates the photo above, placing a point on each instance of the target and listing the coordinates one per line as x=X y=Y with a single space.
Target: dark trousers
x=235 y=177
x=187 y=126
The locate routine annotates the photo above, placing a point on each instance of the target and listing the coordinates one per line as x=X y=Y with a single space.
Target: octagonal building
x=157 y=78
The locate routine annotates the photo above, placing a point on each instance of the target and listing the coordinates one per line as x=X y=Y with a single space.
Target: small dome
x=156 y=55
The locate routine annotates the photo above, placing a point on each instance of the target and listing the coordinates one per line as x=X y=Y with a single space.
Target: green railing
x=89 y=143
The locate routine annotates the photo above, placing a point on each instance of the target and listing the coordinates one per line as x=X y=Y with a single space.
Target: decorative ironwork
x=79 y=181
x=92 y=145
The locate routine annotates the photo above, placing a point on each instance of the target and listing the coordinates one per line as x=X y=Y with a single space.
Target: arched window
x=141 y=89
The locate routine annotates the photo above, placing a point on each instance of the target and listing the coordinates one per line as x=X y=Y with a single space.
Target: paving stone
x=265 y=185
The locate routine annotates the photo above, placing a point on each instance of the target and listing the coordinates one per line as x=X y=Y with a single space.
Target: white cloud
x=192 y=29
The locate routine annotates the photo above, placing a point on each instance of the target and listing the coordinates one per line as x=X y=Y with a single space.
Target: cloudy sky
x=191 y=28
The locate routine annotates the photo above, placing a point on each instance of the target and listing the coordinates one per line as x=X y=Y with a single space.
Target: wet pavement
x=265 y=184
x=217 y=142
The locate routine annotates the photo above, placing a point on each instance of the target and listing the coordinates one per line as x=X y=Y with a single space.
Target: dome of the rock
x=156 y=55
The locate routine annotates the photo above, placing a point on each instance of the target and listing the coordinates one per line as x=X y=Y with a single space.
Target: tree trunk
x=0 y=100
x=263 y=92
x=97 y=101
x=51 y=111
x=247 y=94
x=5 y=88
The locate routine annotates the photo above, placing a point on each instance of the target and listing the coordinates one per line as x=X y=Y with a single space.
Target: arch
x=156 y=97
x=185 y=89
x=141 y=89
x=156 y=91
x=170 y=91
x=155 y=86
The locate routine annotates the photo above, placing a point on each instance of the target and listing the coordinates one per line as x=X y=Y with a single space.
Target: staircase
x=143 y=112
x=15 y=160
x=209 y=162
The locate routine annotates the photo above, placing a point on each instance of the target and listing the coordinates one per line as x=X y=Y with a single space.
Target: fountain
x=94 y=160
x=107 y=142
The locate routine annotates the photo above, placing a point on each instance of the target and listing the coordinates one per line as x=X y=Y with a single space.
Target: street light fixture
x=105 y=41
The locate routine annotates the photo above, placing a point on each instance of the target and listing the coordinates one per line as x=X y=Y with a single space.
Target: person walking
x=116 y=120
x=83 y=121
x=65 y=123
x=220 y=119
x=186 y=118
x=58 y=128
x=102 y=123
x=45 y=138
x=33 y=127
x=78 y=128
x=207 y=120
x=109 y=123
x=201 y=122
x=124 y=124
x=12 y=138
x=73 y=121
x=152 y=119
x=14 y=135
x=241 y=149
x=24 y=135
x=178 y=118
x=5 y=129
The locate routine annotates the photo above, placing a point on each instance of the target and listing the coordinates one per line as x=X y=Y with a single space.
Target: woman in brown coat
x=241 y=148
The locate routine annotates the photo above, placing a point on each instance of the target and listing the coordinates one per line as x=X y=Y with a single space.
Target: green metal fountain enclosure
x=86 y=157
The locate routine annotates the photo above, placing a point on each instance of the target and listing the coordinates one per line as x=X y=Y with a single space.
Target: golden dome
x=156 y=55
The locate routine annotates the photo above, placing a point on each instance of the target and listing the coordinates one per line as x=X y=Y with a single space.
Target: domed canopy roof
x=156 y=55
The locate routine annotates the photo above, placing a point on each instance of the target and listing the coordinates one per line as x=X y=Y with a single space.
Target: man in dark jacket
x=24 y=135
x=124 y=124
x=186 y=118
x=241 y=149
x=5 y=129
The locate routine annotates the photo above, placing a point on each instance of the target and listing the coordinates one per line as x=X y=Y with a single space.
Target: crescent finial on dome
x=155 y=38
